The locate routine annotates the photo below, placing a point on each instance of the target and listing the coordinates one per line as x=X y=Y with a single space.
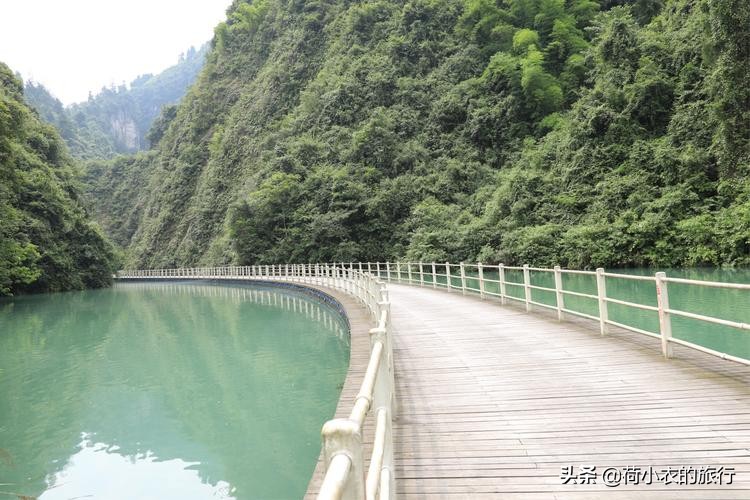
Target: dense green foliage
x=117 y=120
x=46 y=240
x=540 y=131
x=117 y=185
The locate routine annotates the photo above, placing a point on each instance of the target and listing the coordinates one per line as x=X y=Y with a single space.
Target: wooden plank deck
x=493 y=401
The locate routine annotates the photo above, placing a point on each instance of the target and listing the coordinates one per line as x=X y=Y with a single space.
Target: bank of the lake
x=167 y=390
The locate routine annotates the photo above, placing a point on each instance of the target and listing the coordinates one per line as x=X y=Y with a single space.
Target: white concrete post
x=481 y=279
x=448 y=276
x=527 y=286
x=434 y=276
x=342 y=436
x=601 y=292
x=501 y=279
x=388 y=271
x=665 y=320
x=463 y=278
x=385 y=384
x=398 y=271
x=408 y=267
x=559 y=295
x=421 y=274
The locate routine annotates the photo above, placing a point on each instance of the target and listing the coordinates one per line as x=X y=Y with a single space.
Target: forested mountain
x=117 y=120
x=47 y=242
x=543 y=131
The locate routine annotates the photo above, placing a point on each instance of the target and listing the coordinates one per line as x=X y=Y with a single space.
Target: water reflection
x=98 y=470
x=230 y=383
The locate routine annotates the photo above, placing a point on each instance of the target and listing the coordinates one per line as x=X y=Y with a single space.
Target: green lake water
x=726 y=304
x=165 y=390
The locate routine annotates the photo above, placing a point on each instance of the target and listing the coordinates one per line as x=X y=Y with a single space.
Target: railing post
x=388 y=271
x=384 y=408
x=434 y=276
x=481 y=279
x=421 y=274
x=501 y=279
x=369 y=268
x=408 y=272
x=385 y=388
x=448 y=276
x=378 y=268
x=601 y=292
x=665 y=320
x=463 y=278
x=342 y=436
x=559 y=295
x=527 y=286
x=398 y=271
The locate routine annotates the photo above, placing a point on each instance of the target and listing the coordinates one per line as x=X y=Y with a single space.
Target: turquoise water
x=726 y=304
x=166 y=391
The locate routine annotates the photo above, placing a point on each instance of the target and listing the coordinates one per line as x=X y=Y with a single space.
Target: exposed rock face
x=117 y=120
x=125 y=131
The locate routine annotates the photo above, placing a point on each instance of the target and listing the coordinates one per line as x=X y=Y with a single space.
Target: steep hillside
x=117 y=187
x=528 y=131
x=46 y=240
x=117 y=120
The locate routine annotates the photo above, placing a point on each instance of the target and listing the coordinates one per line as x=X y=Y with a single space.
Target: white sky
x=73 y=46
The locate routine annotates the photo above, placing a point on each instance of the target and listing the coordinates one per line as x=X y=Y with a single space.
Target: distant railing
x=426 y=274
x=345 y=476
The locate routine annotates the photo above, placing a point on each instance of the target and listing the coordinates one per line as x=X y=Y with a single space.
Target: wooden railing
x=345 y=475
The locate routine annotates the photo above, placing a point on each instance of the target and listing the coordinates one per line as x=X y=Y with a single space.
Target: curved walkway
x=494 y=401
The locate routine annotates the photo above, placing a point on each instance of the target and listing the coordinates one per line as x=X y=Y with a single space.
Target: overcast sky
x=73 y=46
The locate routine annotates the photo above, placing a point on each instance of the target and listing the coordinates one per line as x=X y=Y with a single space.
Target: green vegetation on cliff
x=46 y=240
x=540 y=131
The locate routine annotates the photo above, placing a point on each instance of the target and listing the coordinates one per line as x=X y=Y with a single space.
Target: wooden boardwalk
x=493 y=401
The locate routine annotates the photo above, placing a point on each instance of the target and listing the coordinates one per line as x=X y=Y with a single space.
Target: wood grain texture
x=493 y=401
